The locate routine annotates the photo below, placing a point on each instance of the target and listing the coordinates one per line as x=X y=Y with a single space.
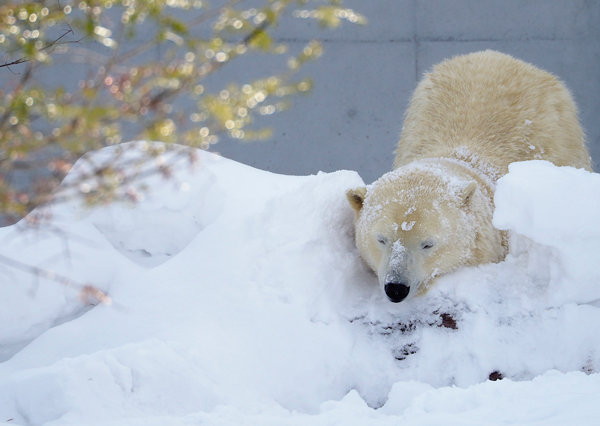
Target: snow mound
x=239 y=298
x=562 y=215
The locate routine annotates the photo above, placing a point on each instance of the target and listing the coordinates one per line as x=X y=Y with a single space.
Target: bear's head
x=419 y=222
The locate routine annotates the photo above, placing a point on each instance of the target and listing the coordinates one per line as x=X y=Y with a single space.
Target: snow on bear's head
x=419 y=222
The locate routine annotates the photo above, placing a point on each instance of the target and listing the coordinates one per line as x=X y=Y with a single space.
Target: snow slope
x=238 y=297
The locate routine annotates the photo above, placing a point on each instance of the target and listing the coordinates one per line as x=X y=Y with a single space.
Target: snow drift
x=238 y=297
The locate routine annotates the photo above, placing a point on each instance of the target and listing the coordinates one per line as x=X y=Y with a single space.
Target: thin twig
x=53 y=45
x=40 y=272
x=87 y=290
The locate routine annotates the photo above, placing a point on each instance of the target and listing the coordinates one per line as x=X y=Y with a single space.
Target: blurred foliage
x=146 y=61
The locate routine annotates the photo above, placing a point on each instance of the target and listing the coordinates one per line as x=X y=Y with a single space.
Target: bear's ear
x=466 y=191
x=356 y=197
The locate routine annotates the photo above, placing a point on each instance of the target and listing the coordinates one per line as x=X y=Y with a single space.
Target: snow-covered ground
x=236 y=296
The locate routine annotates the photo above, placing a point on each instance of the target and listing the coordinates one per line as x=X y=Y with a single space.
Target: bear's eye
x=426 y=245
x=382 y=240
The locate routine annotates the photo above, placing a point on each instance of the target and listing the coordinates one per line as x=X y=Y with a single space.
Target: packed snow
x=230 y=296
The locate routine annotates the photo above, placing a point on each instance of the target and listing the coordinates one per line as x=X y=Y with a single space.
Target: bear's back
x=495 y=108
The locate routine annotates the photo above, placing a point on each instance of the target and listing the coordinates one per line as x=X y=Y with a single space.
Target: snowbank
x=238 y=297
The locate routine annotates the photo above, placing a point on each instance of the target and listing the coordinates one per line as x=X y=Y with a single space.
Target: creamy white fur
x=469 y=118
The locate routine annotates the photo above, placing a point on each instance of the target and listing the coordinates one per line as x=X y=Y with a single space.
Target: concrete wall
x=363 y=83
x=352 y=119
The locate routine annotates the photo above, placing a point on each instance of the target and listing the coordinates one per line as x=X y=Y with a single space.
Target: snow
x=236 y=296
x=407 y=226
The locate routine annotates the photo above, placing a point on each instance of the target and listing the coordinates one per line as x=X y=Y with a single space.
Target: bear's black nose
x=396 y=292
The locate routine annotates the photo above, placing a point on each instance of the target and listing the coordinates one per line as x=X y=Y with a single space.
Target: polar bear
x=469 y=118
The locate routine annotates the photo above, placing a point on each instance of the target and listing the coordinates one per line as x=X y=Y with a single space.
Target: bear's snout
x=396 y=292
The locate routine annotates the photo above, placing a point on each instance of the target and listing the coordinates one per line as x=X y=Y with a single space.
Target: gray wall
x=363 y=83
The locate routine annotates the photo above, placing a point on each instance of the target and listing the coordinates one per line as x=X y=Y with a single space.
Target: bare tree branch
x=51 y=45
